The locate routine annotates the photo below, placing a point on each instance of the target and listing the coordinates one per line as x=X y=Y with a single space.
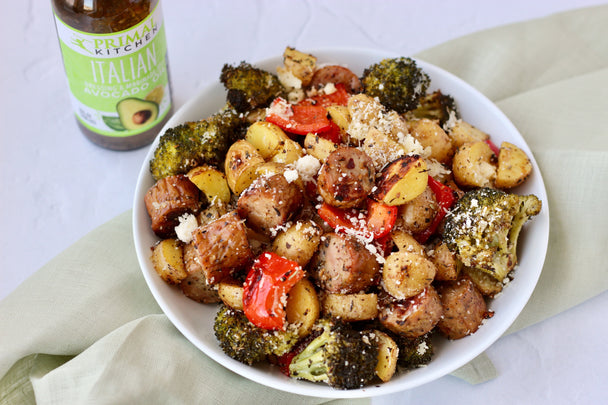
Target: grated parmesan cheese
x=307 y=167
x=187 y=225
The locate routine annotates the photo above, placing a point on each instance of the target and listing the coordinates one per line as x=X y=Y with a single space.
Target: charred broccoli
x=245 y=342
x=398 y=83
x=193 y=143
x=483 y=227
x=414 y=352
x=436 y=106
x=342 y=357
x=250 y=87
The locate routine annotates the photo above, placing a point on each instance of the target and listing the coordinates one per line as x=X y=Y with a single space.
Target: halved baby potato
x=474 y=165
x=402 y=180
x=211 y=182
x=168 y=261
x=242 y=160
x=514 y=166
x=266 y=137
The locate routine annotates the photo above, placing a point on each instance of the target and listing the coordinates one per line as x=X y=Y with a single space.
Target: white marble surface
x=56 y=186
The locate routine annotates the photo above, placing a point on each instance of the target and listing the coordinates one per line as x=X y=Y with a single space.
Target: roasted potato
x=242 y=160
x=514 y=166
x=340 y=115
x=382 y=148
x=388 y=354
x=350 y=307
x=303 y=306
x=266 y=137
x=401 y=180
x=406 y=274
x=300 y=64
x=418 y=214
x=319 y=147
x=406 y=242
x=211 y=182
x=474 y=165
x=168 y=260
x=289 y=151
x=430 y=135
x=231 y=293
x=462 y=132
x=211 y=213
x=299 y=242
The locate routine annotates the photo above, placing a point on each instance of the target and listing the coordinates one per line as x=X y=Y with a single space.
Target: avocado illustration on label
x=135 y=113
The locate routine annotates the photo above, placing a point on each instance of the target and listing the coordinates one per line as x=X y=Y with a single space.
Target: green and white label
x=118 y=82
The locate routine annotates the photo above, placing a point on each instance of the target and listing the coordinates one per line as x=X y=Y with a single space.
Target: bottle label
x=119 y=84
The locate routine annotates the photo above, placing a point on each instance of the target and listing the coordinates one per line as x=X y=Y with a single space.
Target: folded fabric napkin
x=85 y=328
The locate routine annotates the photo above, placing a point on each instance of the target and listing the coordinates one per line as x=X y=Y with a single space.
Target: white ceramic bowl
x=195 y=320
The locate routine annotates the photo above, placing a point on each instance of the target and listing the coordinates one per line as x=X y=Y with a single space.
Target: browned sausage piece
x=346 y=178
x=342 y=265
x=463 y=308
x=336 y=74
x=445 y=261
x=167 y=200
x=222 y=246
x=413 y=317
x=269 y=202
x=195 y=285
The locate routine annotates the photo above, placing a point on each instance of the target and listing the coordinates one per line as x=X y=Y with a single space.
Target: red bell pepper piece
x=445 y=199
x=380 y=218
x=376 y=224
x=299 y=119
x=493 y=146
x=334 y=133
x=343 y=220
x=338 y=97
x=264 y=293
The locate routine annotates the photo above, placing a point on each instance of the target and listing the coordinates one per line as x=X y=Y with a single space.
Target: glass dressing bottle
x=115 y=59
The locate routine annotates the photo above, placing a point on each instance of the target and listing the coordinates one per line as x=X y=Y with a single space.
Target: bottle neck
x=103 y=16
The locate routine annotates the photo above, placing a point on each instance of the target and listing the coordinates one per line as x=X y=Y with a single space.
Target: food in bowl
x=338 y=221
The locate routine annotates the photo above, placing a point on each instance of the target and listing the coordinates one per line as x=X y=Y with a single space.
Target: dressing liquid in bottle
x=115 y=59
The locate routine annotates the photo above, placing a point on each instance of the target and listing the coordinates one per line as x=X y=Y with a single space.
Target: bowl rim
x=261 y=375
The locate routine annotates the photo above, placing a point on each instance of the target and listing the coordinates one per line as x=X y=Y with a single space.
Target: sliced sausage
x=222 y=246
x=445 y=261
x=195 y=285
x=167 y=200
x=270 y=202
x=342 y=265
x=413 y=317
x=336 y=74
x=464 y=308
x=346 y=178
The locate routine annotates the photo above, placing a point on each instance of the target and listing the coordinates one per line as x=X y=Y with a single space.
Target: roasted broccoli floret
x=250 y=87
x=414 y=352
x=436 y=106
x=193 y=143
x=398 y=83
x=483 y=227
x=245 y=342
x=340 y=356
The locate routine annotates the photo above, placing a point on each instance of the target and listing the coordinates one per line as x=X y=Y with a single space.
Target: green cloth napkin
x=85 y=328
